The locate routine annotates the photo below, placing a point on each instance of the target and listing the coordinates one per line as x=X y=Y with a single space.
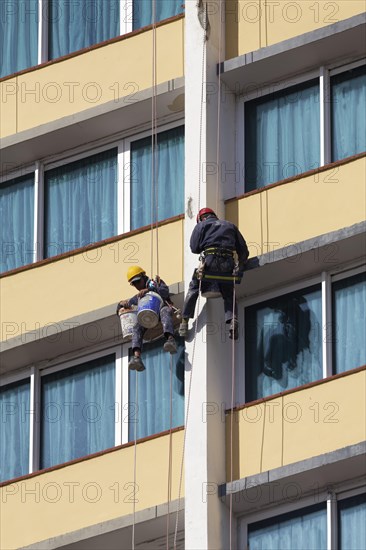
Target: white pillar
x=206 y=517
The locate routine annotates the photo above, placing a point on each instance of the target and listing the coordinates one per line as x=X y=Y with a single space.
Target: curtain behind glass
x=282 y=135
x=18 y=35
x=17 y=218
x=170 y=178
x=349 y=327
x=283 y=343
x=348 y=113
x=153 y=411
x=80 y=203
x=77 y=24
x=301 y=530
x=143 y=11
x=14 y=430
x=78 y=411
x=352 y=523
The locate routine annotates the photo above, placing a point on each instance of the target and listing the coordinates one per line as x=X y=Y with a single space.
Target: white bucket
x=128 y=319
x=149 y=309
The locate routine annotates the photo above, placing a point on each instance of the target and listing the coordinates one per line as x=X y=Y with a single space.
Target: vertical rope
x=134 y=466
x=232 y=421
x=201 y=109
x=186 y=421
x=218 y=172
x=153 y=138
x=170 y=452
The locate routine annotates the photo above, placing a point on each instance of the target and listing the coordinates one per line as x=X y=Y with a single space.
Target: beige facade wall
x=254 y=24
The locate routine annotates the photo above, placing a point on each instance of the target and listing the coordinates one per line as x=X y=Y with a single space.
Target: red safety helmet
x=204 y=211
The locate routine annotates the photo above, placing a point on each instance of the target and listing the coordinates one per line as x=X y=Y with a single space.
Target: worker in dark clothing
x=217 y=241
x=137 y=277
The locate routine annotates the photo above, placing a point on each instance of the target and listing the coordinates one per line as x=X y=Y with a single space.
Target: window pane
x=305 y=529
x=282 y=135
x=17 y=218
x=348 y=113
x=352 y=523
x=169 y=165
x=18 y=35
x=283 y=343
x=152 y=413
x=78 y=411
x=77 y=24
x=349 y=327
x=81 y=203
x=14 y=430
x=143 y=11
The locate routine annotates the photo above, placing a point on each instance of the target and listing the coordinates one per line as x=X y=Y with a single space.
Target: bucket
x=149 y=309
x=128 y=319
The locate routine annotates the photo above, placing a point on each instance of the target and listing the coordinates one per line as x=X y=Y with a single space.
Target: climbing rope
x=134 y=465
x=232 y=416
x=170 y=452
x=154 y=146
x=218 y=171
x=201 y=107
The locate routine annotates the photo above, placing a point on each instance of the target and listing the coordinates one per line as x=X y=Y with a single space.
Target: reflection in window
x=305 y=529
x=152 y=413
x=348 y=113
x=78 y=411
x=14 y=430
x=283 y=343
x=352 y=523
x=143 y=11
x=349 y=323
x=282 y=135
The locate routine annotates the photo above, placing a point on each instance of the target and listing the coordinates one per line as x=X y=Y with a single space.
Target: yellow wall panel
x=302 y=209
x=254 y=24
x=89 y=492
x=8 y=107
x=87 y=281
x=114 y=72
x=298 y=426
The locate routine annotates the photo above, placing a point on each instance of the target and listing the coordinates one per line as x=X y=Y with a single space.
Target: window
x=152 y=410
x=17 y=220
x=303 y=335
x=348 y=92
x=34 y=31
x=287 y=133
x=337 y=520
x=68 y=203
x=298 y=530
x=86 y=405
x=14 y=429
x=282 y=135
x=283 y=343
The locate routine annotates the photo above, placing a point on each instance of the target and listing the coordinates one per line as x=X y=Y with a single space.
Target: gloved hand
x=123 y=304
x=142 y=292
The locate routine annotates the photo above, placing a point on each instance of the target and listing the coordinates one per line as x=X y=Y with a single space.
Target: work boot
x=234 y=330
x=136 y=364
x=170 y=345
x=183 y=328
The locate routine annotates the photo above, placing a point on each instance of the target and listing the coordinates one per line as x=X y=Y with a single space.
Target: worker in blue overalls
x=217 y=241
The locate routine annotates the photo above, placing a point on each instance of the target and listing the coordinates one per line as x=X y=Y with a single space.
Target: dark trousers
x=166 y=318
x=214 y=265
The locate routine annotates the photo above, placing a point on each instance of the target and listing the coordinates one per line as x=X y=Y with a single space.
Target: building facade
x=119 y=121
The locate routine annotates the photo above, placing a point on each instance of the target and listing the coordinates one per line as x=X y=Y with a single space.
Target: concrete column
x=206 y=518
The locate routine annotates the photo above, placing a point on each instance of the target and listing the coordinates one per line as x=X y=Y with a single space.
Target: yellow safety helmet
x=134 y=273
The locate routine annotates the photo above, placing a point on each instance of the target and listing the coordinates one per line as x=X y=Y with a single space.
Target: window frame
x=323 y=73
x=330 y=497
x=325 y=279
x=122 y=143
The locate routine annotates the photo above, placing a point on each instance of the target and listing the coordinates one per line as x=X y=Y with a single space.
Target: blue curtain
x=282 y=135
x=14 y=430
x=17 y=218
x=143 y=11
x=283 y=343
x=152 y=413
x=349 y=323
x=348 y=113
x=18 y=35
x=305 y=529
x=78 y=411
x=77 y=24
x=352 y=523
x=169 y=165
x=81 y=203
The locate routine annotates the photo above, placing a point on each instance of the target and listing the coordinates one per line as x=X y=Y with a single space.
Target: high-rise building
x=119 y=120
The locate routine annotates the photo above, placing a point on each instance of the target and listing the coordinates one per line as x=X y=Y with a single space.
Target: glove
x=123 y=304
